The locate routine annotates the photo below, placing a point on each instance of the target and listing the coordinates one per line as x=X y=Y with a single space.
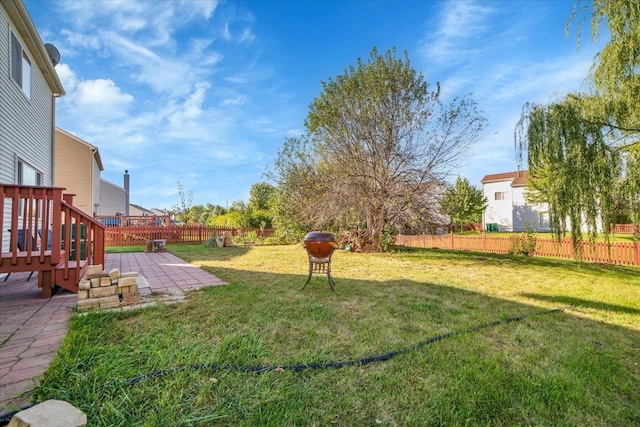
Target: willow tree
x=615 y=73
x=615 y=78
x=583 y=151
x=572 y=168
x=379 y=142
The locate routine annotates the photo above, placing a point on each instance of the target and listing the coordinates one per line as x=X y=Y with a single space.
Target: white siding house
x=29 y=86
x=113 y=199
x=137 y=210
x=507 y=206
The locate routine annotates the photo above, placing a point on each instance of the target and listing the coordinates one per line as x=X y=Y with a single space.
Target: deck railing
x=189 y=234
x=85 y=235
x=27 y=209
x=42 y=231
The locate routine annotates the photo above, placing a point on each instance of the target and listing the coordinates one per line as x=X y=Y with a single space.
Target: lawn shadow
x=264 y=317
x=570 y=265
x=194 y=256
x=579 y=302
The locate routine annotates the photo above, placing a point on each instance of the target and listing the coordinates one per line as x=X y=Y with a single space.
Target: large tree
x=615 y=73
x=261 y=197
x=583 y=151
x=378 y=140
x=463 y=203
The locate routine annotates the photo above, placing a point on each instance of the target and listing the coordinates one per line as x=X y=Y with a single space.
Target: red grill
x=320 y=246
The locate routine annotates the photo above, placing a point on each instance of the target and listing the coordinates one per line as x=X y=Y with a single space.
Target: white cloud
x=462 y=20
x=247 y=36
x=206 y=8
x=539 y=82
x=76 y=40
x=67 y=77
x=238 y=79
x=102 y=94
x=226 y=32
x=459 y=27
x=191 y=109
x=157 y=72
x=237 y=100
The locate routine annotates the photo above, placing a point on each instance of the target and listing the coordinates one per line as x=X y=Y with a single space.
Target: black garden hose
x=5 y=418
x=326 y=365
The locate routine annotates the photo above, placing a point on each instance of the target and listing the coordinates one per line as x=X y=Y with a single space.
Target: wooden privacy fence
x=133 y=220
x=625 y=229
x=615 y=253
x=190 y=234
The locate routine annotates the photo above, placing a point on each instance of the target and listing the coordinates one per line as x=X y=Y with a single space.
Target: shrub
x=523 y=243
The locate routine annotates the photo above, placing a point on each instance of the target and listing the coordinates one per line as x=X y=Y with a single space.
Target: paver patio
x=32 y=328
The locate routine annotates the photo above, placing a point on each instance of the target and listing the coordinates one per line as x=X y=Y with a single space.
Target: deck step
x=26 y=261
x=74 y=275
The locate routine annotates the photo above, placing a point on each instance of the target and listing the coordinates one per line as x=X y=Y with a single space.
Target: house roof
x=102 y=180
x=140 y=208
x=518 y=178
x=23 y=23
x=96 y=152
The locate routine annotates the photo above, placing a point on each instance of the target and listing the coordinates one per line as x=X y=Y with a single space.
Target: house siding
x=513 y=213
x=525 y=216
x=75 y=170
x=136 y=210
x=113 y=199
x=499 y=211
x=26 y=124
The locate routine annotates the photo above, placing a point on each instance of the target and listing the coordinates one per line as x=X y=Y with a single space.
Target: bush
x=523 y=243
x=388 y=238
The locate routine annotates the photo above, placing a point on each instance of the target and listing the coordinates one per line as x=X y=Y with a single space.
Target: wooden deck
x=47 y=234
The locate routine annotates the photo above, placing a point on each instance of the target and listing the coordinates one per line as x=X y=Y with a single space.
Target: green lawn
x=124 y=249
x=574 y=367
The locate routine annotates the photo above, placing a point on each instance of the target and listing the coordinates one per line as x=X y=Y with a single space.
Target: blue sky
x=205 y=92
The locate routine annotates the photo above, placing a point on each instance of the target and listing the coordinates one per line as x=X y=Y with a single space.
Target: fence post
x=451 y=239
x=637 y=248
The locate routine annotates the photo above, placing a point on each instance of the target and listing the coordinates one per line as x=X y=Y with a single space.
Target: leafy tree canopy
x=615 y=73
x=464 y=203
x=379 y=141
x=583 y=151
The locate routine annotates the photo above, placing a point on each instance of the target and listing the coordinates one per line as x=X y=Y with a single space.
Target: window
x=501 y=195
x=27 y=175
x=20 y=66
x=543 y=218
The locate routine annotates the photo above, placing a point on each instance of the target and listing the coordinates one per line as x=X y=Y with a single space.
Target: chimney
x=126 y=192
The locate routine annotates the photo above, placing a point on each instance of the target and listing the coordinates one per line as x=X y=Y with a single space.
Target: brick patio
x=32 y=328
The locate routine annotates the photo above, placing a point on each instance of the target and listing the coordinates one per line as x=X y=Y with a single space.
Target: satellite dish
x=54 y=55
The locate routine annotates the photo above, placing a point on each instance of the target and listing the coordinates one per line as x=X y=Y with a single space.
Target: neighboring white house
x=507 y=206
x=29 y=86
x=137 y=210
x=113 y=199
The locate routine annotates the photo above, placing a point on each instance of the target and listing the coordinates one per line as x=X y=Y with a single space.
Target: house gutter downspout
x=53 y=138
x=126 y=192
